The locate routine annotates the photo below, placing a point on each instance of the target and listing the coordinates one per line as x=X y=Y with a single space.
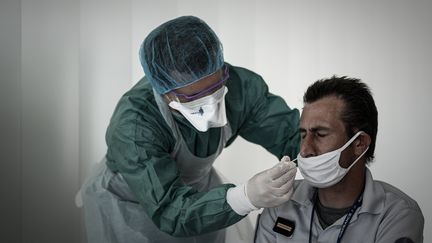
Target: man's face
x=322 y=130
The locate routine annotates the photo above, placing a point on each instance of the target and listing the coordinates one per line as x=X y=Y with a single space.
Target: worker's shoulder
x=242 y=72
x=395 y=196
x=137 y=103
x=140 y=93
x=139 y=96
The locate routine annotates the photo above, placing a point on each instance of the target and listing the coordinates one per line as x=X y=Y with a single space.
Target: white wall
x=64 y=64
x=10 y=122
x=69 y=61
x=50 y=120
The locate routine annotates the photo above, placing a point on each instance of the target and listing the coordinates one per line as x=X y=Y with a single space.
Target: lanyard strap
x=348 y=218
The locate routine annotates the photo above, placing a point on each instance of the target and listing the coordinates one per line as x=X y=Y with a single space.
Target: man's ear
x=361 y=143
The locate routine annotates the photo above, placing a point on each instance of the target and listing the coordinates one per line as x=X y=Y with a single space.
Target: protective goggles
x=205 y=91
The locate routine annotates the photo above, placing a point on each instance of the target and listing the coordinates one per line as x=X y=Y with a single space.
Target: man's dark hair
x=360 y=112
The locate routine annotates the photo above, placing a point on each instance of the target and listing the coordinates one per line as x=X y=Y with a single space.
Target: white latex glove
x=272 y=187
x=268 y=188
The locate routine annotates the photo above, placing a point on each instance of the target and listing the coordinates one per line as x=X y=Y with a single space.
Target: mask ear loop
x=355 y=161
x=350 y=141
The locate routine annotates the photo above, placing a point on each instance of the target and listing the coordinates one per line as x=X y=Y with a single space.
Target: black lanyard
x=348 y=217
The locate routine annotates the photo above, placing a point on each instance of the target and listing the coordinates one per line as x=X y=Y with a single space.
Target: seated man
x=338 y=201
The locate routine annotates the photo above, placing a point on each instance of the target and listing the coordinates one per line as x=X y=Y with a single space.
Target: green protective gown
x=140 y=141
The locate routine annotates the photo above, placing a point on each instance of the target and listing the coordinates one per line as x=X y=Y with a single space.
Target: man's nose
x=307 y=147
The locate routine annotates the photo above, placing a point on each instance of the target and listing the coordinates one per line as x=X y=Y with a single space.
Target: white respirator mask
x=206 y=112
x=324 y=170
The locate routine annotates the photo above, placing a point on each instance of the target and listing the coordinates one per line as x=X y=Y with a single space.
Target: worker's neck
x=344 y=193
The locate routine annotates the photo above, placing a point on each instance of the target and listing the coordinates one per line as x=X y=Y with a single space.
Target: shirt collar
x=373 y=196
x=303 y=193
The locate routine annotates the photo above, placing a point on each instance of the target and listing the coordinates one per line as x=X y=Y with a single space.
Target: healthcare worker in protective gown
x=157 y=182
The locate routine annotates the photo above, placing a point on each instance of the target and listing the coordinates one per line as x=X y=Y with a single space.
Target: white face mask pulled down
x=324 y=170
x=206 y=112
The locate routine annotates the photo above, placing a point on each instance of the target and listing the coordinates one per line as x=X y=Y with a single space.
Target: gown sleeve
x=265 y=118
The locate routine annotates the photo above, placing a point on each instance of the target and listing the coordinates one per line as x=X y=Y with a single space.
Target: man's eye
x=321 y=134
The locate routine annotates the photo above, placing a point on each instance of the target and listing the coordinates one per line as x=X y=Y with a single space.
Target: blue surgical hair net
x=180 y=52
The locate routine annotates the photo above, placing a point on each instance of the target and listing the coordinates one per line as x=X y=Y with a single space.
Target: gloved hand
x=272 y=187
